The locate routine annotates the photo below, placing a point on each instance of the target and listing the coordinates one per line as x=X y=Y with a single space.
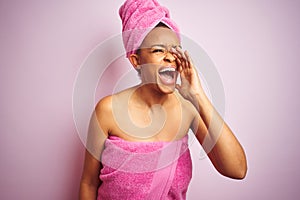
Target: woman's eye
x=158 y=51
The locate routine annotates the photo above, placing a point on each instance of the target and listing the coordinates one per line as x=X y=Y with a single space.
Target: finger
x=187 y=63
x=179 y=59
x=182 y=56
x=180 y=53
x=189 y=60
x=176 y=53
x=178 y=63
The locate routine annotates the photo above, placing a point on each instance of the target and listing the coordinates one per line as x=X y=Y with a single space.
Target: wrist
x=200 y=100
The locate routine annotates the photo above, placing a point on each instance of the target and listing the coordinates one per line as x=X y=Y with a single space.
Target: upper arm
x=98 y=128
x=97 y=134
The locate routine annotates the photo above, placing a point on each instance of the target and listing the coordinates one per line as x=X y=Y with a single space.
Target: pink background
x=254 y=44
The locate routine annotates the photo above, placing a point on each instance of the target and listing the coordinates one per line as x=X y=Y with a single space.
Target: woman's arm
x=97 y=135
x=90 y=181
x=222 y=147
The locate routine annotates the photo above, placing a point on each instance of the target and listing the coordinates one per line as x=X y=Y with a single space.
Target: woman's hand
x=215 y=136
x=190 y=83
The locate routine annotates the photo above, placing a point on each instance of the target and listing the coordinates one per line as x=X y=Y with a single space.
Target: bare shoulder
x=108 y=108
x=107 y=104
x=104 y=105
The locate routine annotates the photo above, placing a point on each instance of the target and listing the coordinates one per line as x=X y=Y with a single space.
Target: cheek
x=148 y=70
x=149 y=73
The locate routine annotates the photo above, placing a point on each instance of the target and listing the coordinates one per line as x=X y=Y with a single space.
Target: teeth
x=169 y=69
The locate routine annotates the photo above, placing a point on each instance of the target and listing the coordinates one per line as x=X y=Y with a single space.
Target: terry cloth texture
x=139 y=17
x=145 y=170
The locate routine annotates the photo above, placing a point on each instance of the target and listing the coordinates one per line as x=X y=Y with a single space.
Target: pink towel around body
x=145 y=170
x=139 y=17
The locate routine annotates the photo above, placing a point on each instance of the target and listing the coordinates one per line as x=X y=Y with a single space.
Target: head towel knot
x=139 y=17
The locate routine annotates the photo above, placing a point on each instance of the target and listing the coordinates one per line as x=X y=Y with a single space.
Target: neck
x=150 y=95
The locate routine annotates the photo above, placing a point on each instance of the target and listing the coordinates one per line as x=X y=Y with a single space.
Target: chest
x=155 y=124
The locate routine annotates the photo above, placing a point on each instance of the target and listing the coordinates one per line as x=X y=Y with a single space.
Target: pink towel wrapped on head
x=139 y=17
x=145 y=170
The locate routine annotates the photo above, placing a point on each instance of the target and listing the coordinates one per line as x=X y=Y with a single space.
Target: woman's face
x=157 y=64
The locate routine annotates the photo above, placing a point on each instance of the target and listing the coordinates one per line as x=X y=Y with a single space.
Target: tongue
x=167 y=77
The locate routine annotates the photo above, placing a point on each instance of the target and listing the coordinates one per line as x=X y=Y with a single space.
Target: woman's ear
x=134 y=60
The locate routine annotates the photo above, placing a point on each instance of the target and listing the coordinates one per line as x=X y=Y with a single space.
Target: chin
x=166 y=89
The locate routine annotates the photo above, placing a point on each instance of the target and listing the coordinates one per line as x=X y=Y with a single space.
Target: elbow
x=239 y=172
x=240 y=168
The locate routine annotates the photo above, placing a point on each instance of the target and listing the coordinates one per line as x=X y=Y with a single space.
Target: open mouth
x=168 y=75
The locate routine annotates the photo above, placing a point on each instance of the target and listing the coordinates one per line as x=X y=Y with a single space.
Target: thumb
x=178 y=87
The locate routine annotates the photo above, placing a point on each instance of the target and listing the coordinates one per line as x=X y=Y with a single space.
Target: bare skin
x=156 y=111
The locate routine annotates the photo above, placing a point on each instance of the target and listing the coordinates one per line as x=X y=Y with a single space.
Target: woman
x=137 y=140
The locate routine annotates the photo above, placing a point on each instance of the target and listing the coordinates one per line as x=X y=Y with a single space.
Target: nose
x=169 y=57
